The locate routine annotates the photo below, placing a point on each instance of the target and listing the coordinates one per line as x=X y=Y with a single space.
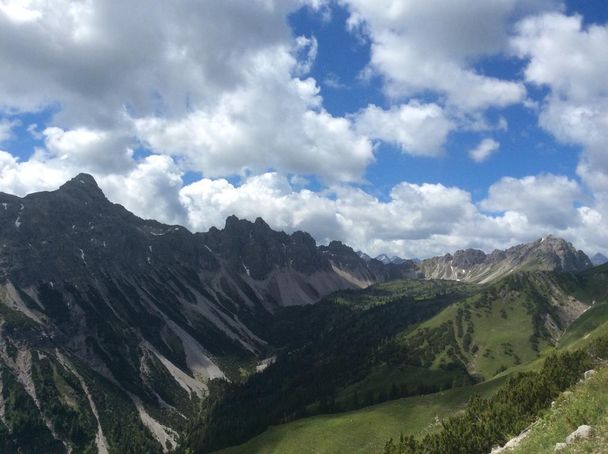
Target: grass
x=503 y=340
x=501 y=331
x=365 y=430
x=385 y=376
x=501 y=321
x=390 y=291
x=587 y=404
x=593 y=323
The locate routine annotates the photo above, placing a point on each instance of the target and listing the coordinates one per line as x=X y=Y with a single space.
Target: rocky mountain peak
x=83 y=185
x=557 y=253
x=549 y=253
x=468 y=257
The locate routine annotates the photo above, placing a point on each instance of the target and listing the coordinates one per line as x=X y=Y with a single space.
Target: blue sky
x=411 y=128
x=525 y=148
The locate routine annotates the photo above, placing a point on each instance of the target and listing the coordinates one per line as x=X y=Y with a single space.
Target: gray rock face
x=581 y=433
x=155 y=309
x=588 y=374
x=70 y=255
x=546 y=254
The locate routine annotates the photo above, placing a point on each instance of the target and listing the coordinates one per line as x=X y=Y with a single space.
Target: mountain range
x=152 y=311
x=112 y=327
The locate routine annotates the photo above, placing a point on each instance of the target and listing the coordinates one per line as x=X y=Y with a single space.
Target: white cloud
x=564 y=55
x=150 y=189
x=418 y=129
x=166 y=55
x=6 y=129
x=546 y=200
x=571 y=60
x=35 y=174
x=413 y=214
x=220 y=86
x=274 y=121
x=97 y=151
x=223 y=88
x=484 y=150
x=417 y=220
x=420 y=46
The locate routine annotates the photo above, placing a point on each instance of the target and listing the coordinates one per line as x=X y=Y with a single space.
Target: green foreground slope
x=585 y=404
x=365 y=430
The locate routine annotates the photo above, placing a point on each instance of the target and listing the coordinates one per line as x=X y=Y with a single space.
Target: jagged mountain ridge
x=471 y=265
x=384 y=258
x=141 y=311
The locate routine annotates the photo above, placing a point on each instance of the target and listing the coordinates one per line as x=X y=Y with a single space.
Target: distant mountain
x=599 y=259
x=364 y=256
x=111 y=325
x=383 y=258
x=546 y=254
x=392 y=260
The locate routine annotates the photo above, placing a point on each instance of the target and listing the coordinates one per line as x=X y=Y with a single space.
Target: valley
x=119 y=334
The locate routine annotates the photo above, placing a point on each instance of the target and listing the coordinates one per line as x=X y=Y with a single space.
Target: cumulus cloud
x=431 y=46
x=220 y=86
x=418 y=129
x=223 y=88
x=484 y=150
x=136 y=54
x=547 y=200
x=97 y=151
x=274 y=121
x=416 y=220
x=571 y=60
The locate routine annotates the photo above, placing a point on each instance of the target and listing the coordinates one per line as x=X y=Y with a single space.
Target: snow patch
x=18 y=221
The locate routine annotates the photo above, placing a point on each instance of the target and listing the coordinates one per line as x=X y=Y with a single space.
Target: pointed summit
x=83 y=185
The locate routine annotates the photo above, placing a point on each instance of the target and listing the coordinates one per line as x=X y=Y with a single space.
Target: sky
x=397 y=126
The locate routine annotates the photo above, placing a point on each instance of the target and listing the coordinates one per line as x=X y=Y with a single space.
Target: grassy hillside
x=365 y=430
x=500 y=326
x=591 y=324
x=370 y=348
x=587 y=404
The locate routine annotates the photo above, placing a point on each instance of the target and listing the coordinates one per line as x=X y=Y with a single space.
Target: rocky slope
x=111 y=325
x=546 y=254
